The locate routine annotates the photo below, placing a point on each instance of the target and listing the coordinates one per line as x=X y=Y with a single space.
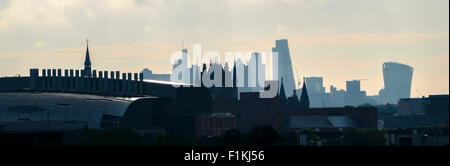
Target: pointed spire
x=282 y=92
x=304 y=98
x=87 y=61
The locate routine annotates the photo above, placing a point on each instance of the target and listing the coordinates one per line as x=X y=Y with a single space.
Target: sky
x=338 y=40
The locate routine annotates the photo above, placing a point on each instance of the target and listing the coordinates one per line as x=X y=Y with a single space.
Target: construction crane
x=298 y=78
x=417 y=90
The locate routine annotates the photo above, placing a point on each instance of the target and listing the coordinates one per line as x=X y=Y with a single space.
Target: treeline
x=258 y=136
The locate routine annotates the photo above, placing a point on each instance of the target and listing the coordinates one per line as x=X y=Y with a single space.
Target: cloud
x=365 y=39
x=39 y=44
x=32 y=13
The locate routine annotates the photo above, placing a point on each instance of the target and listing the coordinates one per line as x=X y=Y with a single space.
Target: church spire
x=87 y=61
x=304 y=98
x=282 y=92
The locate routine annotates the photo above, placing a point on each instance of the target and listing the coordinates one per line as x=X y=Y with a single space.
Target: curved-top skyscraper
x=284 y=66
x=397 y=82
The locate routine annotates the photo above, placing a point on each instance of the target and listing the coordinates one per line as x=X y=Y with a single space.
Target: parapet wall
x=77 y=81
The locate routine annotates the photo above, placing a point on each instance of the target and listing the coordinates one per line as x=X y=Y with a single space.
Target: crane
x=298 y=78
x=417 y=90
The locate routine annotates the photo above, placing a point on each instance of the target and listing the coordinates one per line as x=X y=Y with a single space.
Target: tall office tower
x=354 y=96
x=182 y=66
x=256 y=72
x=315 y=85
x=185 y=65
x=284 y=66
x=353 y=86
x=397 y=82
x=87 y=61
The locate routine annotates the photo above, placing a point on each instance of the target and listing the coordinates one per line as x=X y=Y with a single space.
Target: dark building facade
x=215 y=124
x=334 y=118
x=251 y=110
x=432 y=111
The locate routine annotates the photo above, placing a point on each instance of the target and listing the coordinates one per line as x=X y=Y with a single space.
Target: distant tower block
x=185 y=64
x=397 y=82
x=284 y=66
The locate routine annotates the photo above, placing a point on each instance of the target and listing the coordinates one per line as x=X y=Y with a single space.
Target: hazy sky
x=337 y=39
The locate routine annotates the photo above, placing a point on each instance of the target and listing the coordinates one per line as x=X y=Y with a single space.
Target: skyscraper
x=186 y=78
x=315 y=85
x=284 y=66
x=354 y=96
x=256 y=72
x=397 y=82
x=87 y=61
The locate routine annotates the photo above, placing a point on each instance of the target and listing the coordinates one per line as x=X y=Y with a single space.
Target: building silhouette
x=317 y=96
x=304 y=98
x=87 y=62
x=354 y=96
x=282 y=93
x=397 y=82
x=256 y=72
x=149 y=75
x=337 y=97
x=284 y=68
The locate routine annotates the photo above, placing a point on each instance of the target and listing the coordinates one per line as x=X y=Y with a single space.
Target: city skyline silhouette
x=354 y=47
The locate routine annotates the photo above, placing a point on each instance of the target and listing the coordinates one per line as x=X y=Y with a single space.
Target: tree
x=311 y=137
x=263 y=135
x=433 y=131
x=363 y=137
x=113 y=137
x=232 y=137
x=168 y=140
